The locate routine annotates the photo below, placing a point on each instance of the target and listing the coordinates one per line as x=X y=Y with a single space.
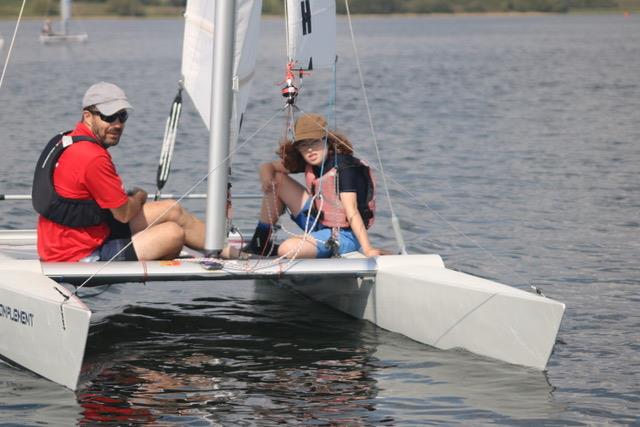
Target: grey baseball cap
x=107 y=98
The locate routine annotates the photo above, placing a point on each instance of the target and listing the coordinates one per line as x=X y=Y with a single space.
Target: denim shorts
x=347 y=241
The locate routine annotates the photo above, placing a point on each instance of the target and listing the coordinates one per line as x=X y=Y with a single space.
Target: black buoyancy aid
x=48 y=203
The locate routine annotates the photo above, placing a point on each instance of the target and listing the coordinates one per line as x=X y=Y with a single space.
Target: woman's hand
x=372 y=252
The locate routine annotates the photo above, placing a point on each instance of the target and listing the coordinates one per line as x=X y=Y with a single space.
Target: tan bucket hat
x=310 y=126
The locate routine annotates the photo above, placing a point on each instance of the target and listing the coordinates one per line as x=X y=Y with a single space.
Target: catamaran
x=44 y=325
x=48 y=36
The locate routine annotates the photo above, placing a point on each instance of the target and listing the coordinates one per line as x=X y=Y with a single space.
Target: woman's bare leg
x=294 y=247
x=288 y=192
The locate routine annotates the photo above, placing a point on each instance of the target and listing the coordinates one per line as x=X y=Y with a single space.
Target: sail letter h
x=305 y=8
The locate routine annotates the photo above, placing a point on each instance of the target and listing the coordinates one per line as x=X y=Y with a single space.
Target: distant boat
x=48 y=36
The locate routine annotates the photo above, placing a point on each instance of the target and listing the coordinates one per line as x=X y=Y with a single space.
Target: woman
x=337 y=206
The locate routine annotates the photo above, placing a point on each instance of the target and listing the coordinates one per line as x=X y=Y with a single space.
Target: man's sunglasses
x=121 y=115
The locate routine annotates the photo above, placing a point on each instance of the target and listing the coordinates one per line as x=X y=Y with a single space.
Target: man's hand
x=137 y=198
x=138 y=193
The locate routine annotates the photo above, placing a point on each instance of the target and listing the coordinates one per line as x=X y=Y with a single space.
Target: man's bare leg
x=165 y=211
x=162 y=241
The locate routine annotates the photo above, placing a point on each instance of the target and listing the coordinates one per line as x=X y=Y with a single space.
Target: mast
x=65 y=15
x=219 y=129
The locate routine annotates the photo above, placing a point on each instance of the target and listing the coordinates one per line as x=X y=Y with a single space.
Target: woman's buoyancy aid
x=48 y=203
x=332 y=211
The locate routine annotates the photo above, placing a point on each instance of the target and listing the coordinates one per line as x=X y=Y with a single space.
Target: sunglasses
x=121 y=115
x=308 y=143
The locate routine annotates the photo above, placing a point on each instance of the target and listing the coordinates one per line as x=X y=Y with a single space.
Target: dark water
x=518 y=137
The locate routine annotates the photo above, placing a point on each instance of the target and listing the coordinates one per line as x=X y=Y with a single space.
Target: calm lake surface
x=513 y=147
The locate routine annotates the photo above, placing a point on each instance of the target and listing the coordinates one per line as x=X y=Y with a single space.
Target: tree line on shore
x=146 y=7
x=454 y=6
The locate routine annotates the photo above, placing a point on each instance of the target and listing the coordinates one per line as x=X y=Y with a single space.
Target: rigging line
x=462 y=319
x=13 y=40
x=193 y=187
x=460 y=232
x=331 y=106
x=296 y=249
x=394 y=218
x=453 y=227
x=286 y=28
x=442 y=218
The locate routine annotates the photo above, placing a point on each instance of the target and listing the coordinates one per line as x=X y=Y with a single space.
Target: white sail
x=197 y=55
x=311 y=29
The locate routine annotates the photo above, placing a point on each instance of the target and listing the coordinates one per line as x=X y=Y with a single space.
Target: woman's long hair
x=293 y=160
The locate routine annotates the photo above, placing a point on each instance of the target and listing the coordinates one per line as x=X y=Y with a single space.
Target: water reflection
x=216 y=359
x=28 y=399
x=435 y=384
x=257 y=351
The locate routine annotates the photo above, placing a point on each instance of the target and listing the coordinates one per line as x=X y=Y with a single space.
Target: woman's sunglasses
x=121 y=115
x=308 y=143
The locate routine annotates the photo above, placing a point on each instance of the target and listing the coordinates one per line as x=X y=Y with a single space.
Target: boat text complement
x=18 y=316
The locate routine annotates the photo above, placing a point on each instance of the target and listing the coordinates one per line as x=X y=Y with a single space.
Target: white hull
x=63 y=38
x=40 y=330
x=416 y=296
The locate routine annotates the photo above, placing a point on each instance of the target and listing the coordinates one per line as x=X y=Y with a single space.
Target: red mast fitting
x=290 y=90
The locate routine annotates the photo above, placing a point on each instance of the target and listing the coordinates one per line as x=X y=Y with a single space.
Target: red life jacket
x=332 y=211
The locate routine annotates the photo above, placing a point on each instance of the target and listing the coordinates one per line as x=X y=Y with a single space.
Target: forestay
x=197 y=55
x=311 y=32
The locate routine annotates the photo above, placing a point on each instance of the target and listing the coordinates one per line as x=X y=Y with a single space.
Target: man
x=86 y=184
x=47 y=29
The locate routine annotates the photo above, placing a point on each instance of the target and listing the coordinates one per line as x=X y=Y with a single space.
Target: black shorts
x=119 y=238
x=110 y=248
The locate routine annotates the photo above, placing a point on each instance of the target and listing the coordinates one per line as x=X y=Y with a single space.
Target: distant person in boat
x=47 y=29
x=85 y=213
x=336 y=207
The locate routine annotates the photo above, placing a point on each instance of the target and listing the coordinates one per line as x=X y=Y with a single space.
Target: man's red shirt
x=84 y=171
